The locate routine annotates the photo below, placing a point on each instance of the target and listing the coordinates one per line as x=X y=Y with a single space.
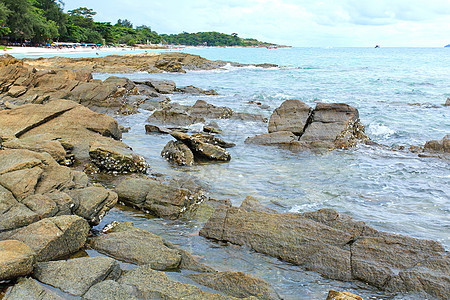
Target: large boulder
x=338 y=247
x=54 y=237
x=161 y=86
x=292 y=116
x=201 y=149
x=236 y=284
x=76 y=276
x=438 y=146
x=163 y=199
x=16 y=259
x=329 y=126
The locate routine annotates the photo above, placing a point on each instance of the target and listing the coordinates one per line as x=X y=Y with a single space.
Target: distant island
x=44 y=23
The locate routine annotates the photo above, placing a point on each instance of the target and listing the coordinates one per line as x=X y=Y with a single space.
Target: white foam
x=379 y=130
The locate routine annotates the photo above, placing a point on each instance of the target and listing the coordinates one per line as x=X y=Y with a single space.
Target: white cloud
x=293 y=22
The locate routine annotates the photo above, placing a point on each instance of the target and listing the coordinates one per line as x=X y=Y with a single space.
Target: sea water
x=399 y=93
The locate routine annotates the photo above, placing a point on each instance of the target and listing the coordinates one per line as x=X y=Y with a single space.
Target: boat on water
x=377 y=46
x=272 y=47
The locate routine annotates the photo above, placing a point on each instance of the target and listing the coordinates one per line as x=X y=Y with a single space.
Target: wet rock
x=203 y=109
x=212 y=127
x=280 y=138
x=161 y=86
x=201 y=149
x=196 y=91
x=292 y=115
x=124 y=129
x=110 y=158
x=139 y=247
x=92 y=203
x=76 y=276
x=54 y=237
x=236 y=284
x=337 y=247
x=16 y=259
x=251 y=204
x=334 y=295
x=163 y=199
x=178 y=153
x=442 y=146
x=149 y=128
x=213 y=140
x=175 y=118
x=248 y=117
x=30 y=289
x=151 y=284
x=110 y=289
x=447 y=102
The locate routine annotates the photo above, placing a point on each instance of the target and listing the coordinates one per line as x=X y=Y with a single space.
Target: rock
x=248 y=117
x=236 y=284
x=54 y=237
x=447 y=102
x=333 y=295
x=110 y=289
x=337 y=124
x=292 y=115
x=329 y=126
x=203 y=109
x=16 y=259
x=156 y=129
x=195 y=91
x=92 y=203
x=212 y=127
x=213 y=140
x=178 y=153
x=151 y=284
x=76 y=276
x=251 y=204
x=124 y=129
x=162 y=199
x=201 y=149
x=165 y=117
x=442 y=146
x=138 y=246
x=30 y=289
x=39 y=143
x=111 y=158
x=161 y=86
x=338 y=247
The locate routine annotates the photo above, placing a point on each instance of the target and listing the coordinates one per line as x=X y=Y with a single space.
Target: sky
x=302 y=23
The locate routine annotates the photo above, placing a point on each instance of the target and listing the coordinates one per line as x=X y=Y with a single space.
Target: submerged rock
x=236 y=284
x=338 y=247
x=16 y=259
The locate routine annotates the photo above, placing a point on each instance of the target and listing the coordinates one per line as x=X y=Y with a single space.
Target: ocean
x=399 y=93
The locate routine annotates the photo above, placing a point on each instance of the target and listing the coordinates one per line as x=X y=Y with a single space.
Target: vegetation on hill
x=44 y=21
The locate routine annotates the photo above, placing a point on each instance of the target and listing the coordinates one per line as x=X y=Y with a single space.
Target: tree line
x=44 y=21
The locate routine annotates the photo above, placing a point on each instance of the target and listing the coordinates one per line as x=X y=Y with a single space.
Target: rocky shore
x=63 y=167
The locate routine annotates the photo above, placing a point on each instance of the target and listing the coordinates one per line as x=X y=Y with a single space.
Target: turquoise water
x=399 y=93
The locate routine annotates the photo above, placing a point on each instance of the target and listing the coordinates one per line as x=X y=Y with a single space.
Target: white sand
x=57 y=51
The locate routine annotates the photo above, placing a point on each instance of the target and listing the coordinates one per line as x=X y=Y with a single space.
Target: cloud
x=294 y=22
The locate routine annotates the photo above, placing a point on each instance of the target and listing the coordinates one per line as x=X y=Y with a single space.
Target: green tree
x=4 y=13
x=124 y=23
x=53 y=10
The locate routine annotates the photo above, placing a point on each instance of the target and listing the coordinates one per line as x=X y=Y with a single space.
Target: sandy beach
x=57 y=51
